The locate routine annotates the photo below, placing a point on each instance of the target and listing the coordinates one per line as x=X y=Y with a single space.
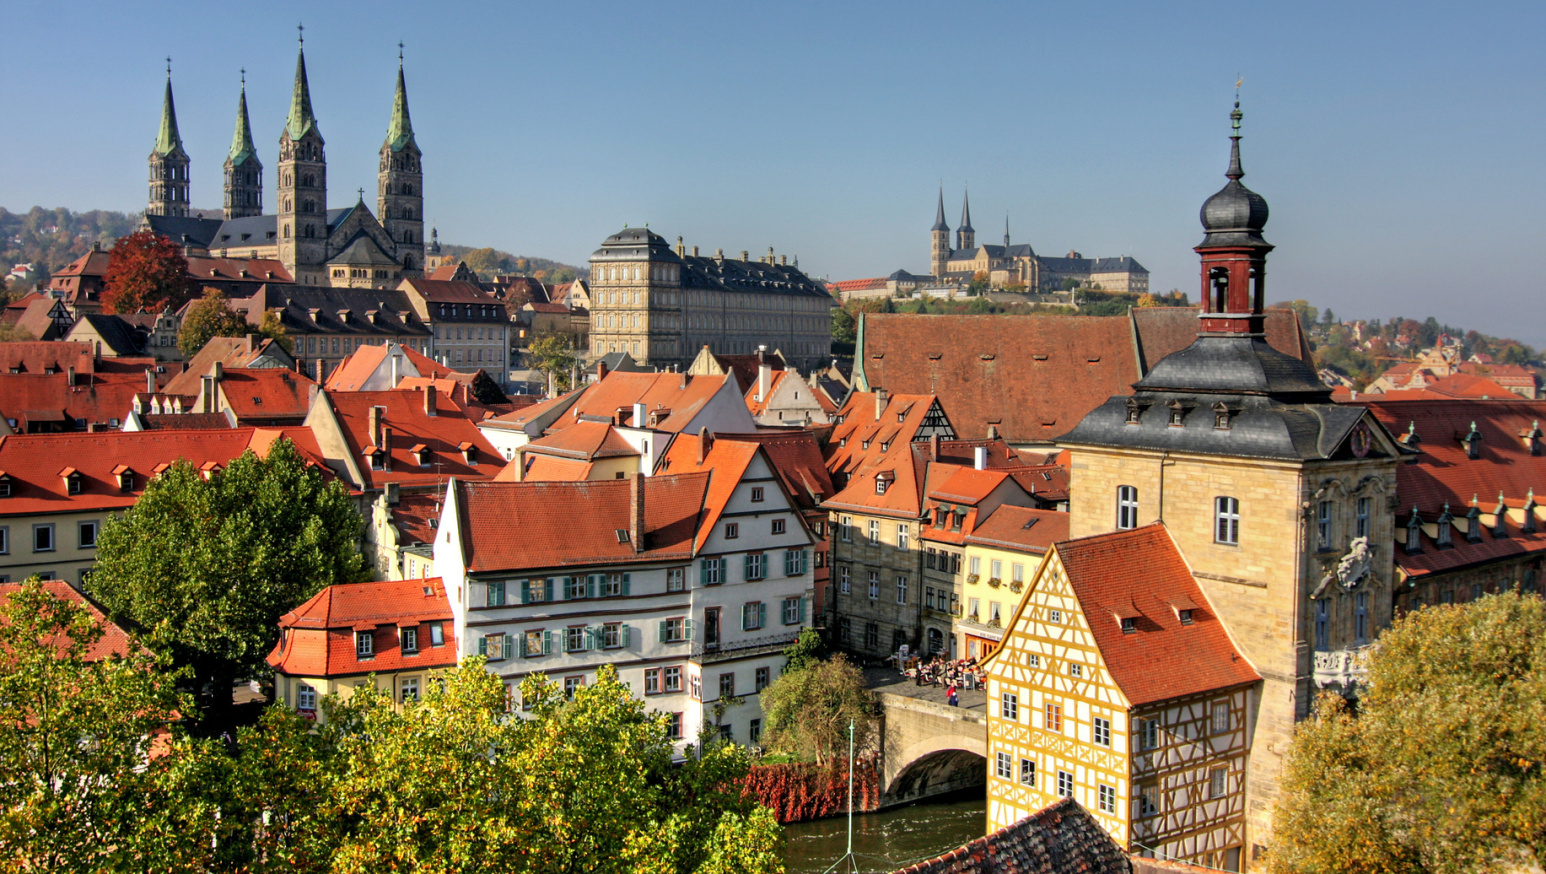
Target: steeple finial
x=300 y=30
x=400 y=129
x=1235 y=172
x=362 y=194
x=939 y=212
x=168 y=140
x=301 y=118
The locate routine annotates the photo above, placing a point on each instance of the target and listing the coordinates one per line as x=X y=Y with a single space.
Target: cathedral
x=345 y=247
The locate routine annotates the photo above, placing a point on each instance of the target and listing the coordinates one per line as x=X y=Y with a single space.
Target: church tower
x=302 y=187
x=939 y=239
x=966 y=237
x=399 y=189
x=168 y=162
x=243 y=170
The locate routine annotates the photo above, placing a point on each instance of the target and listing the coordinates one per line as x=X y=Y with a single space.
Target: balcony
x=706 y=654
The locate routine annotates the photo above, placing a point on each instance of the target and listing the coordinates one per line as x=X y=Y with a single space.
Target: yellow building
x=1117 y=685
x=393 y=634
x=1002 y=553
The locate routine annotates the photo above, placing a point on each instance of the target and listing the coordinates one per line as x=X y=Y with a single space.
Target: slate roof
x=310 y=309
x=709 y=273
x=117 y=334
x=1062 y=838
x=317 y=638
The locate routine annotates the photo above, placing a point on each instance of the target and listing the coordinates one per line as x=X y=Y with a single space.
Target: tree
x=552 y=355
x=211 y=317
x=1443 y=766
x=807 y=711
x=979 y=284
x=844 y=326
x=217 y=561
x=145 y=271
x=77 y=729
x=272 y=328
x=807 y=651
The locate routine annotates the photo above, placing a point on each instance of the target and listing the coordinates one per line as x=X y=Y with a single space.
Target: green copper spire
x=301 y=119
x=400 y=131
x=168 y=140
x=241 y=144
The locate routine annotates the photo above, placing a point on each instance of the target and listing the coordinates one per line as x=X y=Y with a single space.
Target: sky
x=1399 y=145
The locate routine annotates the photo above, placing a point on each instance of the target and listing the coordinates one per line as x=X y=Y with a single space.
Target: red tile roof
x=97 y=398
x=46 y=357
x=726 y=462
x=796 y=456
x=93 y=263
x=843 y=285
x=550 y=469
x=584 y=440
x=745 y=367
x=241 y=269
x=354 y=371
x=317 y=638
x=230 y=352
x=547 y=536
x=450 y=291
x=671 y=401
x=114 y=640
x=1021 y=528
x=267 y=394
x=1143 y=570
x=1061 y=838
x=864 y=448
x=441 y=434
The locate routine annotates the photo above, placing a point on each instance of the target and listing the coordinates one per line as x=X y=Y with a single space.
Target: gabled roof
x=548 y=536
x=796 y=456
x=745 y=367
x=1061 y=838
x=231 y=352
x=726 y=460
x=46 y=357
x=362 y=364
x=93 y=263
x=1021 y=528
x=671 y=400
x=1143 y=570
x=238 y=269
x=1441 y=472
x=584 y=440
x=1456 y=385
x=114 y=640
x=267 y=393
x=450 y=291
x=96 y=398
x=317 y=638
x=119 y=336
x=403 y=412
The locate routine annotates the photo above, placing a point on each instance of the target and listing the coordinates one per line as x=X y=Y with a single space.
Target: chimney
x=639 y=412
x=992 y=432
x=321 y=370
x=552 y=384
x=429 y=399
x=764 y=377
x=705 y=443
x=636 y=512
x=783 y=260
x=745 y=255
x=770 y=255
x=386 y=448
x=375 y=426
x=217 y=370
x=980 y=458
x=150 y=381
x=69 y=376
x=396 y=377
x=881 y=396
x=934 y=446
x=695 y=251
x=601 y=370
x=574 y=375
x=252 y=342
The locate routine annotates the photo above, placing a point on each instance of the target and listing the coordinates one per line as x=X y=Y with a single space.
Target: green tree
x=807 y=711
x=274 y=329
x=76 y=730
x=217 y=561
x=844 y=326
x=552 y=355
x=1443 y=766
x=807 y=651
x=145 y=271
x=211 y=317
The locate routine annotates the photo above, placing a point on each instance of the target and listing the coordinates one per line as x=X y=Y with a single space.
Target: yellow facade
x=305 y=694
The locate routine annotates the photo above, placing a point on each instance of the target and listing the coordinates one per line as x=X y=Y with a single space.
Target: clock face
x=1362 y=441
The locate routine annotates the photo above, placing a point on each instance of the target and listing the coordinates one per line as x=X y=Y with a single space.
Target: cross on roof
x=301 y=30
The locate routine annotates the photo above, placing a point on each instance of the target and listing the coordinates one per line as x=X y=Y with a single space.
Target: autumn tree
x=216 y=561
x=807 y=710
x=552 y=355
x=211 y=317
x=1443 y=765
x=273 y=329
x=78 y=727
x=145 y=271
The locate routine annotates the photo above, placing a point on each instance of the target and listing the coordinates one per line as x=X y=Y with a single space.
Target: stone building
x=661 y=304
x=350 y=247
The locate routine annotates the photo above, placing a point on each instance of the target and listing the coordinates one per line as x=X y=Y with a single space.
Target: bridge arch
x=936 y=767
x=930 y=749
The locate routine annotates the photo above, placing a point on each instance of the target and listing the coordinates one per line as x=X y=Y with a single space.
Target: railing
x=707 y=653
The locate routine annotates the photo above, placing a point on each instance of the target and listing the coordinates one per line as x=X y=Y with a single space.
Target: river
x=890 y=839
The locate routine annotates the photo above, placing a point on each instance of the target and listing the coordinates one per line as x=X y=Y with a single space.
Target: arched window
x=1127 y=507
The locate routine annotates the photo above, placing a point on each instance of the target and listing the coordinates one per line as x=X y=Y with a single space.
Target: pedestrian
x=950 y=696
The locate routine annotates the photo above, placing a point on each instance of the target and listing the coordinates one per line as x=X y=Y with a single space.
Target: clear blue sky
x=1399 y=144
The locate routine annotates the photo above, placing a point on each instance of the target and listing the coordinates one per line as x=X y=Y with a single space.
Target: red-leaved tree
x=145 y=271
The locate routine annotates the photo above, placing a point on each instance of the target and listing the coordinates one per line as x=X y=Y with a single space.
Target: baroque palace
x=344 y=247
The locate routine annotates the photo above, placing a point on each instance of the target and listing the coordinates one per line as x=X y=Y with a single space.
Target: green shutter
x=568 y=586
x=483 y=646
x=590 y=585
x=665 y=631
x=762 y=616
x=703 y=571
x=591 y=639
x=622 y=637
x=688 y=626
x=547 y=643
x=747 y=561
x=805 y=561
x=743 y=617
x=625 y=583
x=547 y=589
x=509 y=645
x=525 y=591
x=802 y=611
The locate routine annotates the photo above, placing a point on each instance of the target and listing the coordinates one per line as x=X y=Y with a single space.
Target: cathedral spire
x=241 y=141
x=1006 y=230
x=167 y=139
x=966 y=213
x=400 y=130
x=939 y=214
x=301 y=118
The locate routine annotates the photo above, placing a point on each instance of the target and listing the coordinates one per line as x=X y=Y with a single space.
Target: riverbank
x=889 y=839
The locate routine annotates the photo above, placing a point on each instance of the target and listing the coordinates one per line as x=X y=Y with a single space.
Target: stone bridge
x=928 y=747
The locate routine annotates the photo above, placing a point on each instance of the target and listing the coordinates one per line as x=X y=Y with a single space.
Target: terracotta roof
x=549 y=468
x=451 y=291
x=1021 y=528
x=1035 y=376
x=444 y=272
x=856 y=284
x=547 y=536
x=552 y=308
x=239 y=269
x=864 y=448
x=1456 y=385
x=584 y=440
x=726 y=461
x=317 y=638
x=745 y=367
x=965 y=485
x=441 y=434
x=114 y=640
x=97 y=398
x=354 y=371
x=184 y=421
x=33 y=462
x=796 y=456
x=415 y=516
x=229 y=351
x=1062 y=838
x=1143 y=569
x=674 y=397
x=267 y=393
x=93 y=263
x=46 y=357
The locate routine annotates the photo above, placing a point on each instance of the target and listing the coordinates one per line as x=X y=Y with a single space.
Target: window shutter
x=590 y=585
x=744 y=615
x=703 y=571
x=750 y=563
x=547 y=643
x=568 y=586
x=665 y=631
x=483 y=646
x=802 y=611
x=590 y=638
x=525 y=591
x=762 y=616
x=625 y=583
x=805 y=561
x=622 y=636
x=547 y=589
x=509 y=641
x=688 y=626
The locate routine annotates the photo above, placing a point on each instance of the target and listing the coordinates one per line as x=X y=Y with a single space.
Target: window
x=536 y=643
x=1108 y=799
x=673 y=630
x=676 y=579
x=871 y=635
x=778 y=526
x=1220 y=717
x=901 y=536
x=572 y=685
x=874 y=531
x=1102 y=731
x=794 y=610
x=1075 y=669
x=1129 y=625
x=1148 y=800
x=874 y=585
x=928 y=597
x=1148 y=734
x=1127 y=507
x=732 y=530
x=410 y=640
x=1361 y=613
x=364 y=644
x=1361 y=518
x=695 y=686
x=844 y=579
x=1065 y=784
x=756 y=494
x=1005 y=767
x=614 y=585
x=496 y=594
x=1009 y=706
x=881 y=483
x=1018 y=570
x=88 y=535
x=613 y=635
x=901 y=589
x=1033 y=660
x=652 y=681
x=574 y=588
x=973 y=606
x=756 y=566
x=1226 y=515
x=1054 y=721
x=754 y=615
x=672 y=678
x=996 y=569
x=1322 y=624
x=711 y=571
x=795 y=562
x=1027 y=772
x=1323 y=525
x=754 y=733
x=5 y=540
x=43 y=538
x=305 y=697
x=1055 y=616
x=846 y=529
x=995 y=616
x=1216 y=778
x=437 y=635
x=762 y=680
x=974 y=566
x=408 y=688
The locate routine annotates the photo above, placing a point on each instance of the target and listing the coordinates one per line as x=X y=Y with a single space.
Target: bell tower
x=1234 y=254
x=243 y=170
x=400 y=179
x=168 y=162
x=302 y=186
x=939 y=239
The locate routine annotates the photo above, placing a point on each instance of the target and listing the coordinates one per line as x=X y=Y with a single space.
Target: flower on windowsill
x=995 y=582
x=971 y=578
x=1016 y=586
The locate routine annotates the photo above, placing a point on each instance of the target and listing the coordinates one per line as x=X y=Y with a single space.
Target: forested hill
x=488 y=262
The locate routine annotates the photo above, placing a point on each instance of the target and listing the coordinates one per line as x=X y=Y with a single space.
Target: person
x=950 y=696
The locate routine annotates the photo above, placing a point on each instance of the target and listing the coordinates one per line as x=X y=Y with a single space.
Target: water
x=891 y=839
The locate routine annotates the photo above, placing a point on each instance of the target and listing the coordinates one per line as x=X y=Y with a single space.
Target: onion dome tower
x=1234 y=255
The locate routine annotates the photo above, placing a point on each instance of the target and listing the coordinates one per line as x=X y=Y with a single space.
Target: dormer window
x=1532 y=437
x=1221 y=417
x=5 y=485
x=1129 y=625
x=377 y=458
x=1177 y=414
x=1134 y=412
x=1500 y=518
x=883 y=481
x=939 y=517
x=469 y=453
x=208 y=469
x=1473 y=442
x=72 y=480
x=421 y=453
x=1185 y=616
x=1443 y=535
x=1414 y=533
x=125 y=475
x=1529 y=523
x=1473 y=523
